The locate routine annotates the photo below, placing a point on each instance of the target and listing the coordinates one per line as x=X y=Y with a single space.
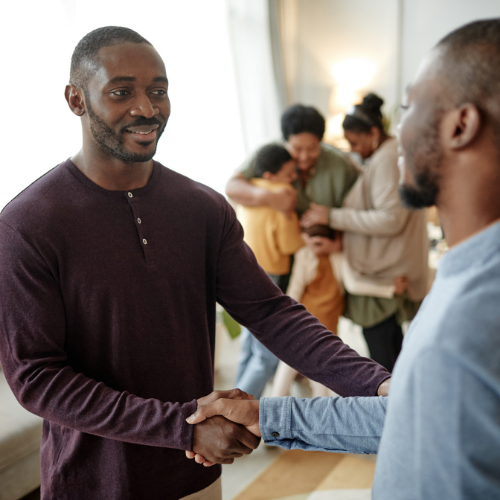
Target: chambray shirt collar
x=472 y=252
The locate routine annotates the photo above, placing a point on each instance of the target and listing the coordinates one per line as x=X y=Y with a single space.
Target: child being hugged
x=316 y=283
x=273 y=237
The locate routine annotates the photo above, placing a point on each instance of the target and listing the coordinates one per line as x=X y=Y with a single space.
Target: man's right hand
x=284 y=200
x=220 y=441
x=244 y=412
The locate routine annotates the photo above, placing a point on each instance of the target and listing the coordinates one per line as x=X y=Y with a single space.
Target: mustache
x=142 y=120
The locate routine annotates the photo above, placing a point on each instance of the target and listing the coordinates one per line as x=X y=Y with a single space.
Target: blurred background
x=233 y=66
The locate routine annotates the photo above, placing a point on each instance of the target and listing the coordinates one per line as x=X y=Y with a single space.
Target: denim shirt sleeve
x=340 y=425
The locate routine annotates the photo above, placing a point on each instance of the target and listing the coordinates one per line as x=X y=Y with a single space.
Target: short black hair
x=299 y=118
x=362 y=117
x=270 y=158
x=85 y=53
x=471 y=68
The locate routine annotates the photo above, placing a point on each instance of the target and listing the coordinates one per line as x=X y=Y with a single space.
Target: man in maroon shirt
x=110 y=269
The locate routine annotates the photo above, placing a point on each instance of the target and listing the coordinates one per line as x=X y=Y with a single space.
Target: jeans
x=256 y=363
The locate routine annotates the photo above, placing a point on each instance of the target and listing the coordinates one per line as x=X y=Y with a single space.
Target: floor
x=243 y=471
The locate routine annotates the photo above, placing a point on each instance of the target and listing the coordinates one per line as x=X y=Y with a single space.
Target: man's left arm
x=284 y=326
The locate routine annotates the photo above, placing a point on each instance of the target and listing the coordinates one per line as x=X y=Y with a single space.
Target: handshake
x=226 y=427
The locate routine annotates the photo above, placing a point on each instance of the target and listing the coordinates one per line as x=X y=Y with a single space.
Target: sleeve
x=247 y=168
x=339 y=425
x=283 y=325
x=299 y=277
x=388 y=217
x=288 y=234
x=456 y=420
x=32 y=342
x=351 y=176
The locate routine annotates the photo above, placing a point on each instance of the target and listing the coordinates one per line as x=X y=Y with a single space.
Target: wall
x=425 y=22
x=393 y=34
x=331 y=31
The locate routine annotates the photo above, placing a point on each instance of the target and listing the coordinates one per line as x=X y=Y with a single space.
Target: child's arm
x=300 y=276
x=288 y=235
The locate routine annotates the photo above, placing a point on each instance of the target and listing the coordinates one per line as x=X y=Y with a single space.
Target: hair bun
x=372 y=104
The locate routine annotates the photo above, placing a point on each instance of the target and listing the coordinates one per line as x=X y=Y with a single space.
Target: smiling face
x=363 y=143
x=421 y=153
x=127 y=102
x=304 y=148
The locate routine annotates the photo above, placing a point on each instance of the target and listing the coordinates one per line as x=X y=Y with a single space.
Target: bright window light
x=203 y=138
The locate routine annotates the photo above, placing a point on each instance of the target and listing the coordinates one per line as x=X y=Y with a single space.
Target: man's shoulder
x=465 y=323
x=191 y=192
x=42 y=195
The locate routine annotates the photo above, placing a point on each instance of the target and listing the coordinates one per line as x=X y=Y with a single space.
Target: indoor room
x=293 y=295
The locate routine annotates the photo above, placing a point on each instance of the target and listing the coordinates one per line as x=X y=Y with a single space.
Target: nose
x=143 y=106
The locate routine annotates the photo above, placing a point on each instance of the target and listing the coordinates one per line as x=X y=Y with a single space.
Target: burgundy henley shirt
x=107 y=327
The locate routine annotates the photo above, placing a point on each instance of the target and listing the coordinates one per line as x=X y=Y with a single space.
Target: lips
x=142 y=133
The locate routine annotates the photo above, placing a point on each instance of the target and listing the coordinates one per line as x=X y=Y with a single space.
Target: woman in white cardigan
x=382 y=239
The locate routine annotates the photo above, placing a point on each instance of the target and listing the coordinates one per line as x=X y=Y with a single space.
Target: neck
x=470 y=202
x=111 y=173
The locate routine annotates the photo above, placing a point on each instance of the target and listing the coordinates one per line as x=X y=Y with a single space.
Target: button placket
x=134 y=204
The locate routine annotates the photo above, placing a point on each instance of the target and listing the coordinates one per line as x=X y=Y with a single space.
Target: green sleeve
x=247 y=168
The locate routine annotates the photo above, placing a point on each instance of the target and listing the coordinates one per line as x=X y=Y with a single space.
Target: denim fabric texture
x=340 y=425
x=441 y=435
x=256 y=365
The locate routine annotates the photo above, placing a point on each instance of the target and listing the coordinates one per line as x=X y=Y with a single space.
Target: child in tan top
x=315 y=283
x=273 y=238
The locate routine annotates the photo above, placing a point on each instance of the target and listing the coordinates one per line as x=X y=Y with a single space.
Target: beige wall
x=425 y=22
x=393 y=34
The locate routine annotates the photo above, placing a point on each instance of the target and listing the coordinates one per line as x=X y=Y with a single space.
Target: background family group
x=332 y=233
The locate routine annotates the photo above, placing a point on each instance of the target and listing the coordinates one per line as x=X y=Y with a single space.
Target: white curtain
x=258 y=65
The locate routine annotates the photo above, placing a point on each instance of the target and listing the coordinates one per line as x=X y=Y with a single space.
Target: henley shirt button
x=130 y=195
x=276 y=434
x=145 y=241
x=139 y=221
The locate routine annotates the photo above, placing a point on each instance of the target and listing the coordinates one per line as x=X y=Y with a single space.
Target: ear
x=462 y=126
x=375 y=133
x=267 y=176
x=75 y=100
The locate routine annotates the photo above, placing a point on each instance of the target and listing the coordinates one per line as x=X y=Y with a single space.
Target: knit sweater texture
x=107 y=327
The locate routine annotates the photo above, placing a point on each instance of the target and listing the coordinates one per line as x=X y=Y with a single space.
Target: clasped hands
x=226 y=427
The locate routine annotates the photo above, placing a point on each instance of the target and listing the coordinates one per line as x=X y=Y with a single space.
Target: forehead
x=429 y=78
x=136 y=60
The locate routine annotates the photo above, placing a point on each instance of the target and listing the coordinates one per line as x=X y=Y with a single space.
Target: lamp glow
x=353 y=74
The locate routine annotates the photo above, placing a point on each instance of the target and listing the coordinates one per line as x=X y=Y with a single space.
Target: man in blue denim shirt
x=441 y=423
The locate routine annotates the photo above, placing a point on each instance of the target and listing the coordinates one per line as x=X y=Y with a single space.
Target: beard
x=424 y=156
x=111 y=142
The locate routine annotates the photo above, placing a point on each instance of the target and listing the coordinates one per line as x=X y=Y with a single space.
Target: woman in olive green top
x=325 y=174
x=383 y=241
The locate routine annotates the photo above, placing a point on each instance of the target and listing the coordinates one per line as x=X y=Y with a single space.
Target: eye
x=120 y=92
x=159 y=92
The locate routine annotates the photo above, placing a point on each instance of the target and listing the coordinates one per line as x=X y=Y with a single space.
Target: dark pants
x=384 y=342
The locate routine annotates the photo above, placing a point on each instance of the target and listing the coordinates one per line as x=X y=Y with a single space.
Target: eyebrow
x=119 y=79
